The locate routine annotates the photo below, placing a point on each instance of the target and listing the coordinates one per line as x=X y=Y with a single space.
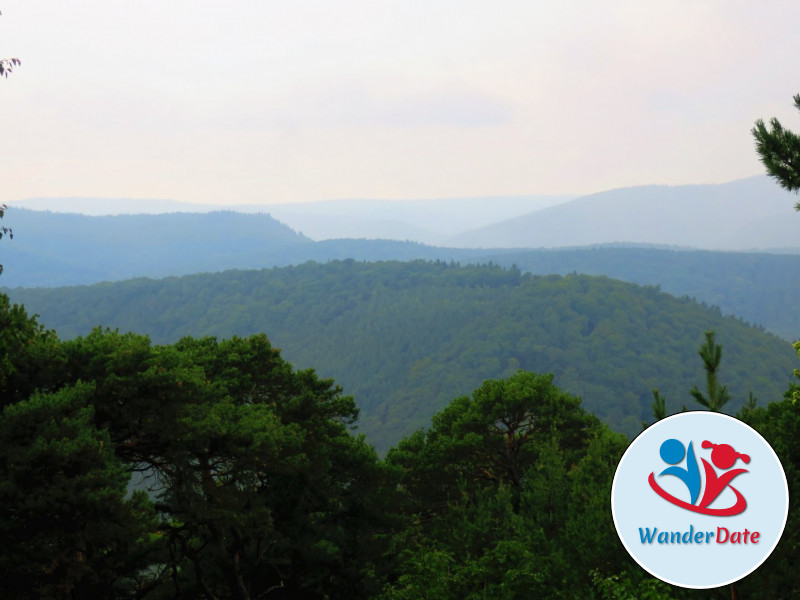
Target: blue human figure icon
x=672 y=452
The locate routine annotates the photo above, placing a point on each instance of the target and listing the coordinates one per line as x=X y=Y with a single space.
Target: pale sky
x=302 y=100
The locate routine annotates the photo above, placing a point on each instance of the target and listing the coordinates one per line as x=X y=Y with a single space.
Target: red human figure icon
x=724 y=457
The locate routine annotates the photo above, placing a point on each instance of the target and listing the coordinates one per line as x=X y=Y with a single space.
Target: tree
x=256 y=485
x=4 y=230
x=502 y=429
x=6 y=66
x=718 y=395
x=507 y=497
x=30 y=355
x=67 y=529
x=256 y=477
x=779 y=150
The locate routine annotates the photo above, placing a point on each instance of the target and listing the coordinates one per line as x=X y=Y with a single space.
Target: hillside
x=52 y=249
x=406 y=338
x=760 y=288
x=748 y=214
x=429 y=221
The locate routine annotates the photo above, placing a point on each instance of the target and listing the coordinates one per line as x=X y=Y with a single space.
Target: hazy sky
x=262 y=101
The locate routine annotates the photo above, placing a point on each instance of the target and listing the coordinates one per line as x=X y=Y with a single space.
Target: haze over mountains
x=748 y=214
x=55 y=249
x=60 y=249
x=426 y=221
x=742 y=215
x=51 y=249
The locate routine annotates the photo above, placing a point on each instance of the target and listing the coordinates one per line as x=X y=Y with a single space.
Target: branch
x=7 y=65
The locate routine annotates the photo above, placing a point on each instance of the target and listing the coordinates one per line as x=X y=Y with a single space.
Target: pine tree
x=718 y=395
x=779 y=150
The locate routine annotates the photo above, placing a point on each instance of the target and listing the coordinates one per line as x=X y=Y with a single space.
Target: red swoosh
x=737 y=508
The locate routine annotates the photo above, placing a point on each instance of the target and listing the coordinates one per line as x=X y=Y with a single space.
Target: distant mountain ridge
x=56 y=249
x=748 y=214
x=52 y=249
x=425 y=221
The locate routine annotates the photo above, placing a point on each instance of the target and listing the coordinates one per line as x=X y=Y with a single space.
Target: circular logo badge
x=699 y=499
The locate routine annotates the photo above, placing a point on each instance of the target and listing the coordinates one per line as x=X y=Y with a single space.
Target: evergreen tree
x=718 y=395
x=67 y=529
x=506 y=496
x=779 y=150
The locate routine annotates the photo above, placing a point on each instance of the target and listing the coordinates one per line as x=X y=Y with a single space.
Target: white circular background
x=635 y=505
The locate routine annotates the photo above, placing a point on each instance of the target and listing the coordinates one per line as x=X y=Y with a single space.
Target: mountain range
x=742 y=215
x=748 y=214
x=57 y=249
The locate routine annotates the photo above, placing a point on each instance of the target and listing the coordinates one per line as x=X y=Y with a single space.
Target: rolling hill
x=407 y=337
x=51 y=249
x=429 y=221
x=763 y=289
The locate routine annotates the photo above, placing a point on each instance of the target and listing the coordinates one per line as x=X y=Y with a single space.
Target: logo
x=723 y=457
x=699 y=499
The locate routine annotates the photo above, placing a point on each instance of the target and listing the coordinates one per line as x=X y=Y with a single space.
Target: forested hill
x=52 y=249
x=406 y=338
x=758 y=287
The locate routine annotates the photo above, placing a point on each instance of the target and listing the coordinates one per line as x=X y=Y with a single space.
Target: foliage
x=29 y=354
x=214 y=469
x=756 y=286
x=66 y=526
x=659 y=406
x=4 y=230
x=6 y=66
x=507 y=496
x=615 y=587
x=407 y=338
x=779 y=151
x=779 y=423
x=718 y=396
x=255 y=481
x=63 y=249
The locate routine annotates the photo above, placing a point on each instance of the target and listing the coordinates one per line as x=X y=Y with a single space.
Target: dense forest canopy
x=406 y=338
x=250 y=482
x=758 y=287
x=208 y=468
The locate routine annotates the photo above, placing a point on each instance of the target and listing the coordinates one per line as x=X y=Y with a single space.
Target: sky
x=258 y=101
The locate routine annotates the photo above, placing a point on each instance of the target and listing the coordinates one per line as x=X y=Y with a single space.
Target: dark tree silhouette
x=779 y=150
x=7 y=64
